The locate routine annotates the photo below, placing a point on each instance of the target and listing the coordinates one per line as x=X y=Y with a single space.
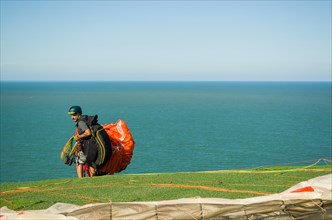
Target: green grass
x=154 y=187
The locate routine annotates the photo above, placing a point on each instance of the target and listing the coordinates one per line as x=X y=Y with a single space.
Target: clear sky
x=166 y=40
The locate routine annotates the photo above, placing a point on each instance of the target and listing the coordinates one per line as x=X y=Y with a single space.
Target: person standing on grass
x=88 y=152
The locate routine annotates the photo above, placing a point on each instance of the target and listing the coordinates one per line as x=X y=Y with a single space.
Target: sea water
x=177 y=126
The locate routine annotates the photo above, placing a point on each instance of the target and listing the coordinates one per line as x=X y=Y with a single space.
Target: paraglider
x=115 y=158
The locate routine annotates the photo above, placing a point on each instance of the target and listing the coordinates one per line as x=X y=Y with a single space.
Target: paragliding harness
x=97 y=148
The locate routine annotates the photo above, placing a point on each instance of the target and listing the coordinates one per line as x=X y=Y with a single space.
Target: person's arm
x=87 y=133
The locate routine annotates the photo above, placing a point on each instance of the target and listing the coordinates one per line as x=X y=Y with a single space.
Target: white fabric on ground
x=288 y=205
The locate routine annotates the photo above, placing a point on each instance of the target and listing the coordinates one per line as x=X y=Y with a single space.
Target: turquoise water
x=177 y=126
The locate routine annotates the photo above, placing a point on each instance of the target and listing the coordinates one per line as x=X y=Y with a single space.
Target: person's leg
x=79 y=169
x=93 y=168
x=92 y=171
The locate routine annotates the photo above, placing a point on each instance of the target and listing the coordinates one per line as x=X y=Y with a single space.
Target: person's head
x=75 y=112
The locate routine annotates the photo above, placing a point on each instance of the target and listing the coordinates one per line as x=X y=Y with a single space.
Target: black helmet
x=75 y=110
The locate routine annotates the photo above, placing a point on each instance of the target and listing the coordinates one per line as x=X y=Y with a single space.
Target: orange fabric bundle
x=122 y=147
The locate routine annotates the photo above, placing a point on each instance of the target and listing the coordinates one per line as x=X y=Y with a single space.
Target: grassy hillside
x=154 y=187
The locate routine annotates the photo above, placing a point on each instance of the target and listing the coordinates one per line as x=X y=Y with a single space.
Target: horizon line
x=85 y=81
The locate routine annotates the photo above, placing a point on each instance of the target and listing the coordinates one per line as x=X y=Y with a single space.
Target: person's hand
x=76 y=138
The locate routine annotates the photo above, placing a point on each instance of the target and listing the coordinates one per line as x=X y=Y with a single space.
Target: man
x=88 y=152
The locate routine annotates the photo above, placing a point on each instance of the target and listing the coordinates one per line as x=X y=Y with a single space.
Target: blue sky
x=166 y=40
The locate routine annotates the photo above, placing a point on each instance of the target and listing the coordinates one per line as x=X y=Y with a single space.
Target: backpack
x=100 y=140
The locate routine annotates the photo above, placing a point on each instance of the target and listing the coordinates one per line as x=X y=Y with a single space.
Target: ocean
x=177 y=126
